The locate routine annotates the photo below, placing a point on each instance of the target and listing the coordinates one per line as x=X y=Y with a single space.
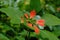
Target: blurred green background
x=12 y=10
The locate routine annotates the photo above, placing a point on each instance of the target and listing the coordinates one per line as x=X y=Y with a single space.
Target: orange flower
x=40 y=22
x=32 y=14
x=29 y=24
x=36 y=29
x=26 y=15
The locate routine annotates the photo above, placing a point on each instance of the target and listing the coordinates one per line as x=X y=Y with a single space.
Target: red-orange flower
x=29 y=24
x=26 y=15
x=40 y=22
x=36 y=29
x=32 y=14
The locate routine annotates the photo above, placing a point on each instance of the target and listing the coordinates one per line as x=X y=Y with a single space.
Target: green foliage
x=51 y=20
x=35 y=5
x=2 y=37
x=48 y=35
x=56 y=30
x=11 y=12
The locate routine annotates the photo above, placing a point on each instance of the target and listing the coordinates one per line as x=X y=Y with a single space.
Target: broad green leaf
x=35 y=5
x=48 y=35
x=2 y=37
x=51 y=20
x=14 y=14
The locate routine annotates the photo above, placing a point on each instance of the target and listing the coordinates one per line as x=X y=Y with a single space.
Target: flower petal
x=26 y=15
x=36 y=29
x=40 y=22
x=29 y=24
x=32 y=13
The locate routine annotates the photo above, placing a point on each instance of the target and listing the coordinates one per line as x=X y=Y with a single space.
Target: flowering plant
x=29 y=20
x=33 y=23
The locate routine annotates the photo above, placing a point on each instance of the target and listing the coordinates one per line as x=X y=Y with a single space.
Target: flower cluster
x=33 y=23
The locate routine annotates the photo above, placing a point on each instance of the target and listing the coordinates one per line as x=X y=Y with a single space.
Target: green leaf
x=51 y=8
x=2 y=37
x=6 y=27
x=20 y=38
x=56 y=30
x=46 y=35
x=51 y=20
x=14 y=14
x=33 y=34
x=35 y=5
x=24 y=33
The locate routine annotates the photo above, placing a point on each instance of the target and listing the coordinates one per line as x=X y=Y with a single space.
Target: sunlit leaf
x=51 y=20
x=48 y=35
x=14 y=14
